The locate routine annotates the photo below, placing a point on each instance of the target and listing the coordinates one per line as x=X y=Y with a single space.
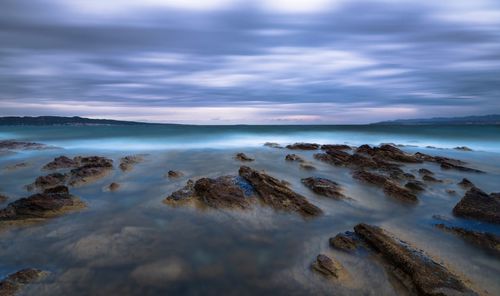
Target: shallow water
x=128 y=242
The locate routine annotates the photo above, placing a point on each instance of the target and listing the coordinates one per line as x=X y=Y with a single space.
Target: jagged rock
x=344 y=241
x=390 y=188
x=19 y=145
x=48 y=181
x=182 y=194
x=293 y=157
x=276 y=194
x=243 y=157
x=371 y=178
x=303 y=146
x=445 y=165
x=335 y=147
x=61 y=162
x=478 y=205
x=174 y=174
x=429 y=178
x=90 y=169
x=465 y=183
x=388 y=153
x=327 y=266
x=51 y=203
x=324 y=187
x=128 y=162
x=273 y=145
x=424 y=172
x=113 y=186
x=14 y=282
x=463 y=148
x=415 y=186
x=427 y=276
x=486 y=240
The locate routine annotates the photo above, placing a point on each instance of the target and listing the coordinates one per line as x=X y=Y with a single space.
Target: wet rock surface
x=425 y=172
x=174 y=174
x=273 y=145
x=485 y=240
x=16 y=166
x=335 y=147
x=50 y=203
x=466 y=183
x=293 y=157
x=61 y=162
x=324 y=187
x=429 y=178
x=345 y=241
x=415 y=186
x=327 y=266
x=19 y=145
x=14 y=282
x=463 y=148
x=390 y=188
x=113 y=186
x=127 y=163
x=388 y=152
x=427 y=276
x=478 y=205
x=243 y=157
x=48 y=181
x=303 y=146
x=276 y=194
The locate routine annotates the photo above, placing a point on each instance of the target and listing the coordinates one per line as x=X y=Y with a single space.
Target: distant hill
x=59 y=120
x=493 y=119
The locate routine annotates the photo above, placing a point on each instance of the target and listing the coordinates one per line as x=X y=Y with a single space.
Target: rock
x=388 y=152
x=478 y=205
x=390 y=188
x=19 y=145
x=445 y=165
x=128 y=162
x=429 y=178
x=307 y=166
x=465 y=183
x=463 y=148
x=243 y=157
x=174 y=174
x=113 y=186
x=51 y=203
x=324 y=187
x=344 y=241
x=303 y=146
x=486 y=240
x=293 y=157
x=89 y=170
x=14 y=282
x=3 y=198
x=277 y=195
x=16 y=166
x=415 y=186
x=451 y=192
x=427 y=276
x=182 y=194
x=327 y=266
x=273 y=145
x=335 y=147
x=374 y=179
x=50 y=180
x=425 y=172
x=61 y=162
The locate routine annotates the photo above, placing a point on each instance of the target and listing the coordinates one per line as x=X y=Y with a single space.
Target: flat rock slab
x=427 y=276
x=478 y=205
x=390 y=188
x=324 y=187
x=14 y=282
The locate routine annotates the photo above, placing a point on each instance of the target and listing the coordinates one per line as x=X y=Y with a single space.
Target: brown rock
x=486 y=240
x=293 y=157
x=388 y=152
x=174 y=174
x=465 y=183
x=425 y=172
x=445 y=165
x=128 y=162
x=327 y=266
x=344 y=241
x=243 y=157
x=429 y=178
x=307 y=166
x=19 y=145
x=89 y=170
x=335 y=147
x=50 y=180
x=371 y=178
x=113 y=186
x=303 y=146
x=60 y=162
x=463 y=148
x=323 y=187
x=478 y=205
x=13 y=283
x=390 y=188
x=427 y=276
x=16 y=166
x=415 y=186
x=273 y=145
x=3 y=198
x=276 y=194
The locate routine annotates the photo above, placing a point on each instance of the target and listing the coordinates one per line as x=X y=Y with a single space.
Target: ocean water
x=128 y=242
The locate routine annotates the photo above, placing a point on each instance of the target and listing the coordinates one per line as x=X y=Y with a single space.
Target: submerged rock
x=16 y=166
x=324 y=187
x=273 y=145
x=327 y=266
x=463 y=148
x=429 y=178
x=276 y=194
x=415 y=186
x=451 y=192
x=344 y=241
x=307 y=166
x=174 y=174
x=113 y=186
x=51 y=203
x=293 y=157
x=427 y=276
x=90 y=169
x=61 y=162
x=390 y=188
x=335 y=147
x=486 y=240
x=465 y=183
x=19 y=145
x=14 y=282
x=424 y=172
x=48 y=181
x=445 y=165
x=478 y=205
x=303 y=146
x=128 y=162
x=3 y=198
x=243 y=157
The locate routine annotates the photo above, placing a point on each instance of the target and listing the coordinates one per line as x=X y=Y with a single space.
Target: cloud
x=249 y=61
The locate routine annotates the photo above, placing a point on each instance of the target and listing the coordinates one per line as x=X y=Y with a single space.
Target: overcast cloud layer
x=223 y=62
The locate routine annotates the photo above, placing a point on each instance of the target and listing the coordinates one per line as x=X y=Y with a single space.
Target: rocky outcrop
x=48 y=181
x=303 y=146
x=388 y=153
x=485 y=240
x=243 y=157
x=415 y=186
x=324 y=187
x=174 y=174
x=14 y=282
x=61 y=162
x=466 y=183
x=424 y=172
x=276 y=194
x=50 y=203
x=426 y=276
x=89 y=170
x=446 y=163
x=127 y=163
x=478 y=205
x=335 y=147
x=293 y=157
x=327 y=266
x=345 y=241
x=19 y=145
x=390 y=188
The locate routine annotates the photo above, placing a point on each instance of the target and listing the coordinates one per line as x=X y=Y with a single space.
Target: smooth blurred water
x=155 y=137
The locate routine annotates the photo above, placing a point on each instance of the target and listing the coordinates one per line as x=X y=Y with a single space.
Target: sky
x=250 y=62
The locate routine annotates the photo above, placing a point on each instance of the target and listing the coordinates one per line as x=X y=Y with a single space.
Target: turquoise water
x=154 y=137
